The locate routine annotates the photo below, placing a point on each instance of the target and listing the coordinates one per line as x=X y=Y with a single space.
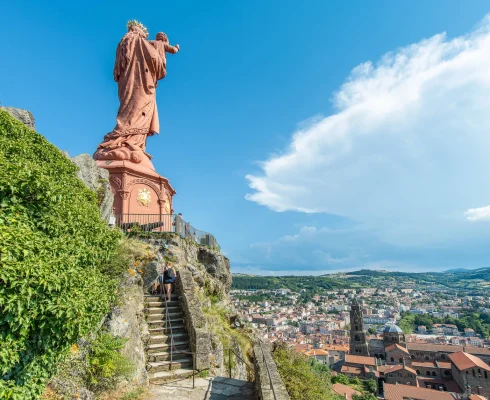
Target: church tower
x=358 y=343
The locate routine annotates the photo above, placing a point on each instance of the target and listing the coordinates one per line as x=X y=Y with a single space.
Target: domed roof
x=392 y=328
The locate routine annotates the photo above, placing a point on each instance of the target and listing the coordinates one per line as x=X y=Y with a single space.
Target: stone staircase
x=159 y=367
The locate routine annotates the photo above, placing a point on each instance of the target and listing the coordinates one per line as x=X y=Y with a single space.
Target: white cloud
x=478 y=214
x=407 y=151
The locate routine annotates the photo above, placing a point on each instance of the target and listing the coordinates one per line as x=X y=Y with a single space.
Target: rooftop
x=345 y=391
x=363 y=360
x=392 y=328
x=402 y=392
x=464 y=361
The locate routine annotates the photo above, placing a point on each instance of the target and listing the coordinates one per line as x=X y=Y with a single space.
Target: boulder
x=23 y=116
x=96 y=179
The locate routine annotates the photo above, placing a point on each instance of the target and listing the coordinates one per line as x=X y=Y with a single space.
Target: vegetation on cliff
x=54 y=247
x=307 y=379
x=303 y=379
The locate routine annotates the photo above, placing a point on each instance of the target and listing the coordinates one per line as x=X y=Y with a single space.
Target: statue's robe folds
x=138 y=67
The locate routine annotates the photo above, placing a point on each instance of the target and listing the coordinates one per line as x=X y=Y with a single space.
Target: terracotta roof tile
x=464 y=361
x=316 y=352
x=477 y=350
x=350 y=370
x=345 y=391
x=396 y=346
x=363 y=360
x=402 y=392
x=426 y=364
x=446 y=348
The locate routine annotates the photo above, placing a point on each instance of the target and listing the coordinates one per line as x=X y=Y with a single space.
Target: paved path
x=215 y=388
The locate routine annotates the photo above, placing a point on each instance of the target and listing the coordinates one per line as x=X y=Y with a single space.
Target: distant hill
x=469 y=281
x=455 y=270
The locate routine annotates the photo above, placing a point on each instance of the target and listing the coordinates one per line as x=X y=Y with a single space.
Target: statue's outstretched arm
x=171 y=49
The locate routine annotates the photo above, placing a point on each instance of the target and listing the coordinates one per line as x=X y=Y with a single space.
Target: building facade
x=358 y=342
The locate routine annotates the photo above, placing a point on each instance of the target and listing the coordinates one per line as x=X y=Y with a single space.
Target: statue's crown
x=133 y=22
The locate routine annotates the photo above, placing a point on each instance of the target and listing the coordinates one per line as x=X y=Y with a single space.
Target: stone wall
x=471 y=377
x=195 y=321
x=264 y=365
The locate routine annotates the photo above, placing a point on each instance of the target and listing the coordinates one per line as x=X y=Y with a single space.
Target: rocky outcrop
x=96 y=179
x=203 y=274
x=23 y=116
x=127 y=320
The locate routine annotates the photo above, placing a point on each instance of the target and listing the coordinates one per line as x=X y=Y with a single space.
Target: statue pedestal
x=140 y=194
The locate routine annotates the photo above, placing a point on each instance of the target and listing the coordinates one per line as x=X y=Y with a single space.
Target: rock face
x=203 y=274
x=23 y=116
x=96 y=179
x=127 y=320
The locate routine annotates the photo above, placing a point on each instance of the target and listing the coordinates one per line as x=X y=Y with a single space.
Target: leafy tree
x=368 y=396
x=370 y=386
x=340 y=378
x=372 y=330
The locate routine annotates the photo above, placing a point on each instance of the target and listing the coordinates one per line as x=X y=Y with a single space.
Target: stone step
x=161 y=323
x=178 y=337
x=178 y=327
x=160 y=298
x=162 y=310
x=165 y=356
x=163 y=317
x=158 y=304
x=161 y=347
x=175 y=374
x=166 y=365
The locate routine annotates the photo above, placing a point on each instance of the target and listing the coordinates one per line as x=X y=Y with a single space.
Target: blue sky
x=308 y=138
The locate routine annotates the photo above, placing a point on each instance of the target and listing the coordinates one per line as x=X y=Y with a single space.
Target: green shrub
x=106 y=364
x=134 y=394
x=53 y=246
x=302 y=380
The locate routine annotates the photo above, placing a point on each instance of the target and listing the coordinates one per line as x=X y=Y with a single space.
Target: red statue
x=139 y=65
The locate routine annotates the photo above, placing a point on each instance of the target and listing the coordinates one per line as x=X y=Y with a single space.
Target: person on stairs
x=167 y=279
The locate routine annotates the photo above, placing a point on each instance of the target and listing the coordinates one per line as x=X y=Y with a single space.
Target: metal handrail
x=230 y=350
x=164 y=223
x=268 y=371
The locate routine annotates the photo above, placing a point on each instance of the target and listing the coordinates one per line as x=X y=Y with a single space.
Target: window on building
x=443 y=356
x=427 y=358
x=400 y=360
x=392 y=359
x=473 y=372
x=427 y=373
x=447 y=372
x=357 y=338
x=418 y=372
x=412 y=357
x=434 y=373
x=486 y=375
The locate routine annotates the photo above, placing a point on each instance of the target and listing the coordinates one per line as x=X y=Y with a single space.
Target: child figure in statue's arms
x=163 y=46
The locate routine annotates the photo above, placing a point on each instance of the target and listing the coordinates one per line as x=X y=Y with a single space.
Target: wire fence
x=154 y=223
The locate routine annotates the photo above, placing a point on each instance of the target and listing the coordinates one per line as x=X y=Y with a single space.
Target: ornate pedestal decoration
x=140 y=194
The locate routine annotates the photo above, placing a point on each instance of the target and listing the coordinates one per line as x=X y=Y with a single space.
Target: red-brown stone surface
x=139 y=65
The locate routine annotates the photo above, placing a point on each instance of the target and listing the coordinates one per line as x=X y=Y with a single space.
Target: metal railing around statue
x=147 y=223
